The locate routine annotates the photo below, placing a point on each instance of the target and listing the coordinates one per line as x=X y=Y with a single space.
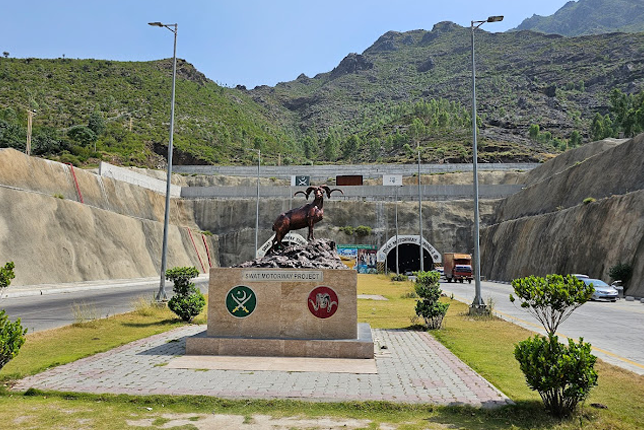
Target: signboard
x=282 y=276
x=359 y=257
x=367 y=261
x=348 y=255
x=300 y=181
x=345 y=180
x=392 y=180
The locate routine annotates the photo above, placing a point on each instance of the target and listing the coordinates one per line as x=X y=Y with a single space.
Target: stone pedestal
x=283 y=312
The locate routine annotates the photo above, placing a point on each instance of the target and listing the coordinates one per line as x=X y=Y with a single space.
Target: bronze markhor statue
x=305 y=216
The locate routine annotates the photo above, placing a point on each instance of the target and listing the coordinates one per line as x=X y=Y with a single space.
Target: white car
x=603 y=291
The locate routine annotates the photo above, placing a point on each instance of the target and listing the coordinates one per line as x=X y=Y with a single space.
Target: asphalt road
x=615 y=330
x=63 y=304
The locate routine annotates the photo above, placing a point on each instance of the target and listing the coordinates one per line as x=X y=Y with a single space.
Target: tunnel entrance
x=409 y=259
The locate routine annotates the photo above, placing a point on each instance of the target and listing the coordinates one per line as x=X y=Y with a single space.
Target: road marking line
x=610 y=354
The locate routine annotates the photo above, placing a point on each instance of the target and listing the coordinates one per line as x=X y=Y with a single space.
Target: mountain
x=414 y=88
x=537 y=94
x=590 y=17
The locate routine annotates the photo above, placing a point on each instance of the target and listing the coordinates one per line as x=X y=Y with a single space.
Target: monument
x=297 y=301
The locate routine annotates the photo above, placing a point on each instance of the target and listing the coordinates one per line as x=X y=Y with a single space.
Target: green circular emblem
x=241 y=301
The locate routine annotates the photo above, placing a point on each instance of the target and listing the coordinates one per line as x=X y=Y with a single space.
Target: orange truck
x=457 y=267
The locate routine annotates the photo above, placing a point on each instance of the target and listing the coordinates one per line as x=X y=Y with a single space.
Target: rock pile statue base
x=317 y=254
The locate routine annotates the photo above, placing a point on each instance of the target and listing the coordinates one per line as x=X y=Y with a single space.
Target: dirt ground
x=253 y=422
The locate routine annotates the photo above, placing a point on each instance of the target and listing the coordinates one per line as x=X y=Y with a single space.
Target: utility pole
x=30 y=118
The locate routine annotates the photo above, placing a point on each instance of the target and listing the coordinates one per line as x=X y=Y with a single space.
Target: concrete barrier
x=365 y=192
x=126 y=175
x=323 y=172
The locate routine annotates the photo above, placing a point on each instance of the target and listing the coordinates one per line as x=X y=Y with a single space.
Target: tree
x=96 y=123
x=82 y=135
x=533 y=132
x=308 y=147
x=575 y=139
x=46 y=141
x=12 y=335
x=6 y=54
x=187 y=301
x=330 y=148
x=12 y=136
x=562 y=375
x=597 y=130
x=551 y=299
x=351 y=146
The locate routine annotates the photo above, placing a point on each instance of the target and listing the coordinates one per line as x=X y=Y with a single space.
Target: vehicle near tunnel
x=457 y=267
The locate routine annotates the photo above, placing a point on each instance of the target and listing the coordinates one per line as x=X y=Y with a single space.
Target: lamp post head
x=155 y=24
x=495 y=18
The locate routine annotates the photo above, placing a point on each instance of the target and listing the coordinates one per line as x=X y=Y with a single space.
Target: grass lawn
x=485 y=344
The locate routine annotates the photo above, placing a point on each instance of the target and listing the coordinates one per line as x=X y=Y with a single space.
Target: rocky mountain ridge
x=583 y=17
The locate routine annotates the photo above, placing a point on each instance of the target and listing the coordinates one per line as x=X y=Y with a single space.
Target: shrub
x=429 y=306
x=562 y=375
x=398 y=277
x=12 y=335
x=589 y=200
x=6 y=275
x=187 y=301
x=621 y=272
x=348 y=230
x=363 y=230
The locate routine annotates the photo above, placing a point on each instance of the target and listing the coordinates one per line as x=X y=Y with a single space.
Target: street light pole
x=259 y=157
x=162 y=295
x=420 y=218
x=396 y=219
x=478 y=303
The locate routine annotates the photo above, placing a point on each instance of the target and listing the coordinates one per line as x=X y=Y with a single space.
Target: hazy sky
x=248 y=42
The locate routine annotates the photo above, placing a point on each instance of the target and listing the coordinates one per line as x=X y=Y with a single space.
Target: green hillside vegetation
x=122 y=110
x=590 y=17
x=537 y=95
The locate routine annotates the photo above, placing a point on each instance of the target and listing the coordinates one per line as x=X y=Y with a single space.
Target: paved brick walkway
x=414 y=368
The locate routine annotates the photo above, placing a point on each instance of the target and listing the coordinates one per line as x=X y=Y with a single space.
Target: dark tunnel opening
x=409 y=259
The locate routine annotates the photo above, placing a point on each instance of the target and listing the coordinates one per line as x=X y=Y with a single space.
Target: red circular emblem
x=323 y=302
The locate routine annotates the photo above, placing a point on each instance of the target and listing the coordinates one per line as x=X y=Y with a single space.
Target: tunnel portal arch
x=409 y=254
